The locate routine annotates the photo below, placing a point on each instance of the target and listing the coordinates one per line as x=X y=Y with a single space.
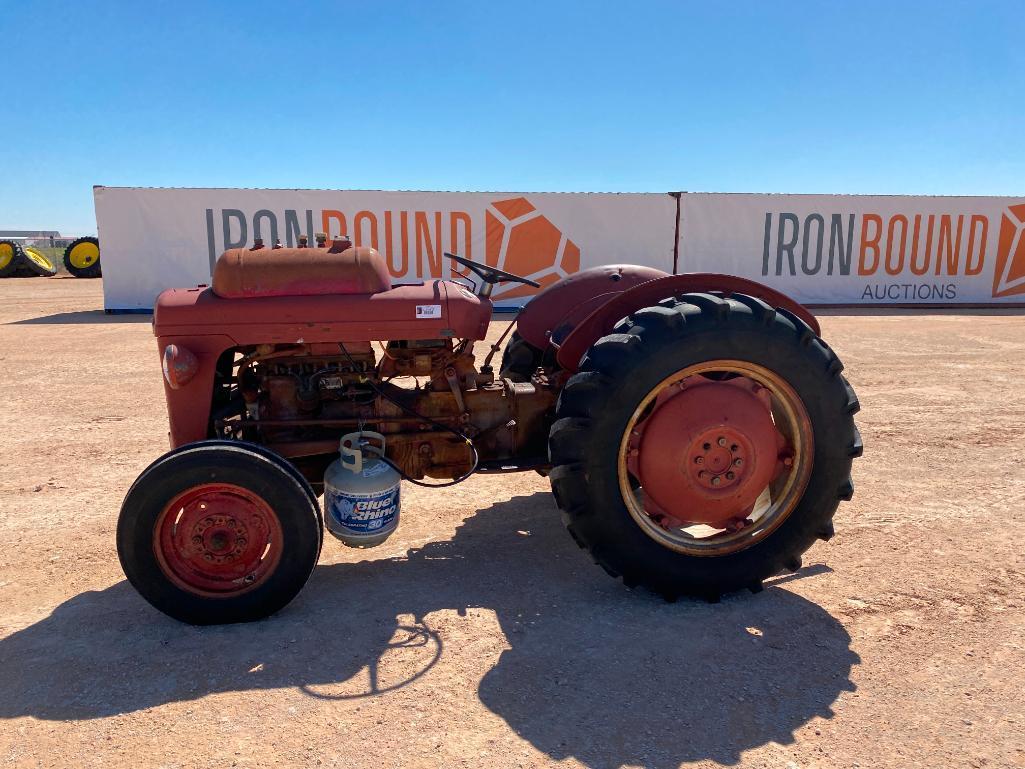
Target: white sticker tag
x=428 y=311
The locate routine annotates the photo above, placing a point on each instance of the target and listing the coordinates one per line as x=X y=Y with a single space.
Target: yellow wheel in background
x=85 y=254
x=39 y=263
x=82 y=258
x=10 y=257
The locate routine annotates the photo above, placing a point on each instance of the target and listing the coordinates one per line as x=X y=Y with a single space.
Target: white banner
x=861 y=249
x=153 y=239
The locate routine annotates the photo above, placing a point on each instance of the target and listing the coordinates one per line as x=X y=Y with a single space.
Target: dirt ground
x=479 y=635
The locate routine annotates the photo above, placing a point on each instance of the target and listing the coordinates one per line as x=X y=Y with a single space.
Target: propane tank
x=361 y=492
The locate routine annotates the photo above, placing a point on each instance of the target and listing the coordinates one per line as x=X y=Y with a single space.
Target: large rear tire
x=520 y=359
x=722 y=345
x=82 y=258
x=212 y=533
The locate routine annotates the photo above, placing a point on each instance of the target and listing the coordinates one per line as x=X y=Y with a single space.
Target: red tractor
x=697 y=432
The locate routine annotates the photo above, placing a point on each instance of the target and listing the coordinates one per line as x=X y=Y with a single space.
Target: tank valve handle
x=352 y=455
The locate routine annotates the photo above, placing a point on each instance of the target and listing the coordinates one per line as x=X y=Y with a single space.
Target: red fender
x=558 y=309
x=600 y=321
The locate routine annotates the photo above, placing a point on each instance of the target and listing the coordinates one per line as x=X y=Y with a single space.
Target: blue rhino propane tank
x=361 y=492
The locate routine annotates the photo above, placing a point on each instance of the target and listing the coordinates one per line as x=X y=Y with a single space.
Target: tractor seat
x=242 y=273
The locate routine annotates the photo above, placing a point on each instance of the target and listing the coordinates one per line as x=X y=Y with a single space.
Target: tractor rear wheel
x=520 y=359
x=212 y=533
x=82 y=258
x=704 y=445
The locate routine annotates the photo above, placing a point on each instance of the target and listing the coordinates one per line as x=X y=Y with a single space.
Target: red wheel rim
x=716 y=457
x=707 y=450
x=217 y=540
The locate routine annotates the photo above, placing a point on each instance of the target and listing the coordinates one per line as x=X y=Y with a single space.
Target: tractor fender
x=554 y=312
x=604 y=316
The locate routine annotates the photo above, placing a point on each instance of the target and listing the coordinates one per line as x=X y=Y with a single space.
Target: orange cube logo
x=520 y=240
x=1009 y=276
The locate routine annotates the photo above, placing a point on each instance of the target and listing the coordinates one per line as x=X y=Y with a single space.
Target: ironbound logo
x=517 y=238
x=901 y=256
x=1009 y=275
x=521 y=240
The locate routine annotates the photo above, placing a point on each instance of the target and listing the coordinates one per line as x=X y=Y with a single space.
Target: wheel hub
x=217 y=539
x=718 y=458
x=706 y=451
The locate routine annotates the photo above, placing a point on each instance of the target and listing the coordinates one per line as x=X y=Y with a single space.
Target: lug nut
x=707 y=446
x=699 y=460
x=716 y=480
x=738 y=462
x=734 y=447
x=197 y=540
x=702 y=474
x=730 y=476
x=721 y=441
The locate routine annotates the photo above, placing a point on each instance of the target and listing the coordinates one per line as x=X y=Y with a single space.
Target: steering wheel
x=490 y=276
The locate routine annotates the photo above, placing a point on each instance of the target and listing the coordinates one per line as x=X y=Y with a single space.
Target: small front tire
x=215 y=534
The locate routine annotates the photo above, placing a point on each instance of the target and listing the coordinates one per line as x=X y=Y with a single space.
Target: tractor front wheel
x=212 y=533
x=704 y=445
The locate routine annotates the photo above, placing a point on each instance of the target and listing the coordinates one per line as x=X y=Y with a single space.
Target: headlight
x=180 y=365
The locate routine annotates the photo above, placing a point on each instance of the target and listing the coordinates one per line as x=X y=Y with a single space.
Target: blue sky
x=858 y=97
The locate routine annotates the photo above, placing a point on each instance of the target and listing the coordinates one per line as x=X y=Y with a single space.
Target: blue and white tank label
x=363 y=513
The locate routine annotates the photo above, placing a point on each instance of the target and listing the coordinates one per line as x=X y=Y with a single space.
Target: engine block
x=426 y=396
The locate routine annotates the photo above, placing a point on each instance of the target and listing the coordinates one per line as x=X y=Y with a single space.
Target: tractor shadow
x=594 y=671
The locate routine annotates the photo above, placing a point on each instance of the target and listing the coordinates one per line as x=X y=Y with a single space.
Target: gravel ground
x=479 y=635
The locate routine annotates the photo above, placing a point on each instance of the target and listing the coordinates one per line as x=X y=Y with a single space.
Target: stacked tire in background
x=10 y=258
x=24 y=261
x=38 y=263
x=82 y=258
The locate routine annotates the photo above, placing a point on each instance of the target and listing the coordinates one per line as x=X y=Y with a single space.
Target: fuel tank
x=242 y=273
